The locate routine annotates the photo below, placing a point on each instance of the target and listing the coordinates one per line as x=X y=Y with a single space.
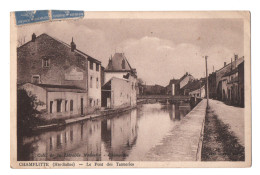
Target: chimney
x=72 y=45
x=33 y=37
x=225 y=63
x=231 y=64
x=236 y=57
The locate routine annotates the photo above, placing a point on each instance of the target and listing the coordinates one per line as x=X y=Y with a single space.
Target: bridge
x=169 y=98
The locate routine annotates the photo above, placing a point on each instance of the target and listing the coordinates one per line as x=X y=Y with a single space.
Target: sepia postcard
x=130 y=89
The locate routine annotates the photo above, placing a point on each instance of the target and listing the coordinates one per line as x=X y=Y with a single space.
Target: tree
x=26 y=111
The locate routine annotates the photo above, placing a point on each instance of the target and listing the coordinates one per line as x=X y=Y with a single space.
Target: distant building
x=170 y=88
x=194 y=88
x=183 y=81
x=66 y=79
x=197 y=88
x=120 y=83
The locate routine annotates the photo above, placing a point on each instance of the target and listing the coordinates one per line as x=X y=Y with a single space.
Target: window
x=36 y=79
x=90 y=84
x=51 y=103
x=123 y=64
x=91 y=65
x=97 y=102
x=97 y=67
x=97 y=83
x=71 y=105
x=46 y=62
x=59 y=105
x=65 y=107
x=90 y=102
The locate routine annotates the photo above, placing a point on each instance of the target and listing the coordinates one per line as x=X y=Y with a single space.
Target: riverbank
x=224 y=133
x=184 y=141
x=101 y=113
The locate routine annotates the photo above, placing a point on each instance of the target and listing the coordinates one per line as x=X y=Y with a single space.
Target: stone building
x=60 y=75
x=216 y=84
x=233 y=86
x=120 y=83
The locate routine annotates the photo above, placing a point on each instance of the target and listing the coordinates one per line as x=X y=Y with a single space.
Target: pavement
x=183 y=143
x=233 y=116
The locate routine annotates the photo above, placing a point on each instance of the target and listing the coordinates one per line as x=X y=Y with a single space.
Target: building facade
x=217 y=85
x=170 y=88
x=58 y=72
x=120 y=83
x=184 y=80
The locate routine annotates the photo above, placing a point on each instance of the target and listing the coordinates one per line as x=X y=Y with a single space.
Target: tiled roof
x=231 y=72
x=63 y=43
x=195 y=84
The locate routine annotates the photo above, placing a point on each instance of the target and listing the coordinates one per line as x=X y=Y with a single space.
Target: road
x=233 y=116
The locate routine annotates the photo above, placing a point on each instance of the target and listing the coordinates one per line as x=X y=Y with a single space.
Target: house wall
x=121 y=93
x=94 y=92
x=30 y=58
x=196 y=93
x=63 y=96
x=109 y=75
x=224 y=89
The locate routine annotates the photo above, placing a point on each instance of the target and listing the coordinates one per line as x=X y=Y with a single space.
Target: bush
x=26 y=111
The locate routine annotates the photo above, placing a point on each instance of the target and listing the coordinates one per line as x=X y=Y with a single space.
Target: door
x=81 y=106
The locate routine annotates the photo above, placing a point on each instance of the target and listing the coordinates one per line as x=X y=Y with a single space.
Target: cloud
x=168 y=53
x=90 y=41
x=158 y=60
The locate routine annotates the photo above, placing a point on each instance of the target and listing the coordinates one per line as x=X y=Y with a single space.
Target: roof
x=173 y=81
x=116 y=63
x=65 y=44
x=195 y=84
x=230 y=72
x=48 y=87
x=238 y=61
x=184 y=76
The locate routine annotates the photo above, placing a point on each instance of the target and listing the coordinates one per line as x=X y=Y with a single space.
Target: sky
x=159 y=49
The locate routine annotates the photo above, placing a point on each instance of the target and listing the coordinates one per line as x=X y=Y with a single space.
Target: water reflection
x=125 y=137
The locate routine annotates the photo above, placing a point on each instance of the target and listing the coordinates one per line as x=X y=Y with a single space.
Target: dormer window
x=97 y=67
x=36 y=79
x=91 y=65
x=45 y=62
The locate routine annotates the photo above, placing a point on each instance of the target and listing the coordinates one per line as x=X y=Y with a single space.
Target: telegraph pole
x=206 y=57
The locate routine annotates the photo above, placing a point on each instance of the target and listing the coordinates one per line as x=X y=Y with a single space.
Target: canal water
x=128 y=136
